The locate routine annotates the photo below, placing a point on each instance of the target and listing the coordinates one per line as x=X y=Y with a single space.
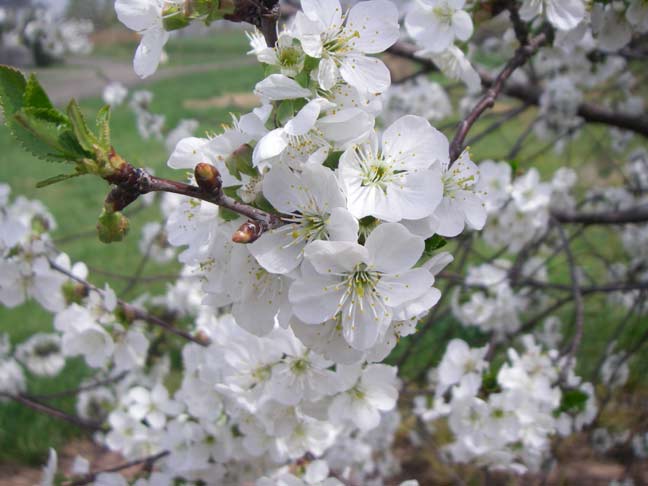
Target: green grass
x=221 y=46
x=25 y=435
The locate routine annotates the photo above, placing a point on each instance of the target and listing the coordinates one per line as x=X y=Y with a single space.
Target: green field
x=25 y=435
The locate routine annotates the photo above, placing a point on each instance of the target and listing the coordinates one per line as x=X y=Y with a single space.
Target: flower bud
x=208 y=178
x=249 y=232
x=112 y=226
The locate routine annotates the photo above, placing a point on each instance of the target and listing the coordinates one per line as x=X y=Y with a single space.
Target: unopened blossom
x=401 y=179
x=362 y=286
x=342 y=41
x=435 y=24
x=315 y=209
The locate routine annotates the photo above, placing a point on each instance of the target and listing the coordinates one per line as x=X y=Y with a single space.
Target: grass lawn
x=25 y=436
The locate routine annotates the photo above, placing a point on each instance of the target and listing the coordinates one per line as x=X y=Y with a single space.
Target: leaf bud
x=208 y=178
x=249 y=232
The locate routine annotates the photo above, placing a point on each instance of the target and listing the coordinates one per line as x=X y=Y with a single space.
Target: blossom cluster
x=504 y=418
x=282 y=381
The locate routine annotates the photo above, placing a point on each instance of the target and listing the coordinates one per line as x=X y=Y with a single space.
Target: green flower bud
x=112 y=227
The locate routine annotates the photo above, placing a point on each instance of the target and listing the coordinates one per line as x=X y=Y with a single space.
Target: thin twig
x=579 y=319
x=132 y=311
x=52 y=411
x=146 y=462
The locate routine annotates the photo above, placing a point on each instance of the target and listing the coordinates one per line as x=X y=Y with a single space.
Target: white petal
x=149 y=52
x=365 y=73
x=393 y=249
x=342 y=226
x=188 y=153
x=335 y=257
x=276 y=251
x=326 y=12
x=411 y=142
x=270 y=146
x=376 y=24
x=305 y=118
x=315 y=300
x=279 y=87
x=410 y=285
x=327 y=74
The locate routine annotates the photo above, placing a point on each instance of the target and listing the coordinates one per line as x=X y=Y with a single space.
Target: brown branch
x=263 y=14
x=52 y=411
x=133 y=182
x=638 y=214
x=521 y=56
x=76 y=391
x=146 y=462
x=531 y=95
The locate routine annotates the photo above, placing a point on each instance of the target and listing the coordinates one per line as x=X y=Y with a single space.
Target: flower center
x=443 y=13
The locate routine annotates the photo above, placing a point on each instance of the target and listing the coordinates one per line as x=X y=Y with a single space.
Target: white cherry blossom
x=341 y=41
x=401 y=179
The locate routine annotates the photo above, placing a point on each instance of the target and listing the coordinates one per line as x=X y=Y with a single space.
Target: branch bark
x=521 y=56
x=34 y=404
x=146 y=462
x=531 y=95
x=638 y=214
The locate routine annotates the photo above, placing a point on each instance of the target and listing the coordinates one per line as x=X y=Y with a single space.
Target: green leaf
x=333 y=160
x=39 y=136
x=57 y=179
x=85 y=137
x=51 y=115
x=35 y=96
x=284 y=111
x=228 y=215
x=431 y=245
x=12 y=90
x=435 y=243
x=231 y=192
x=514 y=165
x=310 y=63
x=103 y=127
x=573 y=401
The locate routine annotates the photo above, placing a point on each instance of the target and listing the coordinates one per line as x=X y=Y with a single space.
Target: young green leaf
x=432 y=244
x=12 y=90
x=57 y=179
x=85 y=137
x=103 y=127
x=35 y=96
